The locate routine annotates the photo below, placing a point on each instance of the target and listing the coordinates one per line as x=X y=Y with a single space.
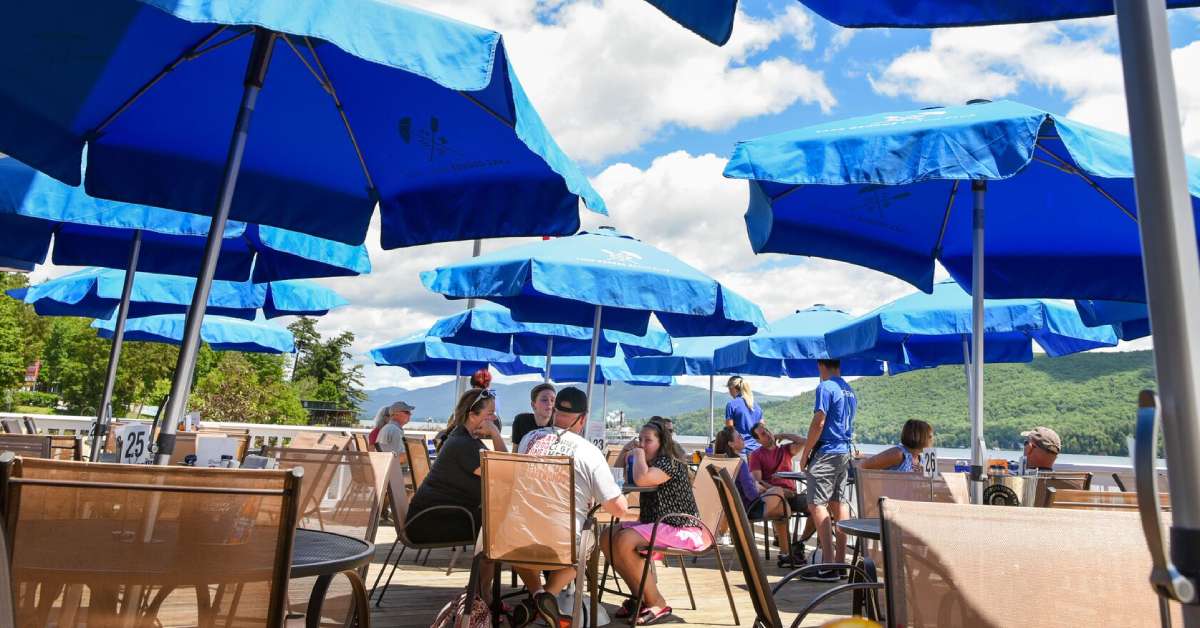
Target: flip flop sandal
x=523 y=614
x=650 y=616
x=626 y=609
x=547 y=607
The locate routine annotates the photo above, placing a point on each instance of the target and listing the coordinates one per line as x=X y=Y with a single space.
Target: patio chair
x=873 y=484
x=529 y=518
x=1125 y=481
x=137 y=545
x=349 y=512
x=397 y=495
x=185 y=445
x=761 y=593
x=361 y=443
x=31 y=425
x=1075 y=480
x=318 y=440
x=968 y=565
x=27 y=445
x=418 y=459
x=12 y=426
x=1099 y=500
x=66 y=447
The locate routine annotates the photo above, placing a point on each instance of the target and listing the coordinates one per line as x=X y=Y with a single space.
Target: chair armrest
x=867 y=572
x=825 y=595
x=787 y=508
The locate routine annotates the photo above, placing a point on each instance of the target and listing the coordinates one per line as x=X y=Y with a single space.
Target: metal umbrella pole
x=591 y=376
x=104 y=415
x=549 y=357
x=256 y=74
x=605 y=411
x=460 y=383
x=1170 y=262
x=712 y=411
x=979 y=189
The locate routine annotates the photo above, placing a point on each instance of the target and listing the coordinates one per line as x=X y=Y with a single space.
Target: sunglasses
x=484 y=393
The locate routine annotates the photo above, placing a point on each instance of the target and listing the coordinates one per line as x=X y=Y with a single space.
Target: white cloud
x=1077 y=61
x=610 y=75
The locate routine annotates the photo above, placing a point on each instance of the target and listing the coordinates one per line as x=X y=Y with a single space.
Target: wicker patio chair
x=1099 y=500
x=110 y=545
x=967 y=565
x=27 y=445
x=762 y=594
x=398 y=498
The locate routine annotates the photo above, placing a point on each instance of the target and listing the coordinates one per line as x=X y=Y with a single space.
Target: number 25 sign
x=133 y=443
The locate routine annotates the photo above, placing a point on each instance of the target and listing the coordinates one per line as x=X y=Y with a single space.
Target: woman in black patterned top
x=654 y=467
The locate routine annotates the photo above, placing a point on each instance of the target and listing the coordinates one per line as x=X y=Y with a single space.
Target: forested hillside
x=1088 y=398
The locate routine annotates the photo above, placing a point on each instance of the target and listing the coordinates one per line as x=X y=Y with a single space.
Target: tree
x=234 y=391
x=22 y=334
x=323 y=366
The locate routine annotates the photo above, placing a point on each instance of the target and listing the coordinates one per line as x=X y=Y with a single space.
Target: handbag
x=456 y=615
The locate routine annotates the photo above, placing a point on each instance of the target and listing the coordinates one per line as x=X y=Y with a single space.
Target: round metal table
x=324 y=555
x=865 y=528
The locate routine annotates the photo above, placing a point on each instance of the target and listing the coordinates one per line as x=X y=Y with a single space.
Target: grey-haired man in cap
x=1042 y=445
x=391 y=435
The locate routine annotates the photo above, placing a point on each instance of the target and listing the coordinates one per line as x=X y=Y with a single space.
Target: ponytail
x=742 y=388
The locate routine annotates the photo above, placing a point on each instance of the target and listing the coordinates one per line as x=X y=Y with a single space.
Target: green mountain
x=1089 y=399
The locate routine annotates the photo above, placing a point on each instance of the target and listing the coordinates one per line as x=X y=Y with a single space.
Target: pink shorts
x=690 y=539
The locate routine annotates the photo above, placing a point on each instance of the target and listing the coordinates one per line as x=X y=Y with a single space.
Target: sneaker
x=790 y=561
x=824 y=575
x=547 y=607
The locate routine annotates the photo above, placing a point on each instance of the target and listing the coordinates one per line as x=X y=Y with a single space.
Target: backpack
x=454 y=613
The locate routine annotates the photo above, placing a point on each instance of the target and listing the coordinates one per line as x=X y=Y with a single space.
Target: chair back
x=611 y=455
x=1126 y=482
x=317 y=440
x=743 y=543
x=871 y=484
x=708 y=503
x=31 y=425
x=12 y=426
x=120 y=531
x=27 y=445
x=528 y=509
x=418 y=459
x=1075 y=480
x=66 y=447
x=185 y=445
x=967 y=565
x=1099 y=500
x=357 y=479
x=361 y=443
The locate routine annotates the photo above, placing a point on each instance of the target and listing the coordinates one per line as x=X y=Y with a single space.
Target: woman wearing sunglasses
x=454 y=478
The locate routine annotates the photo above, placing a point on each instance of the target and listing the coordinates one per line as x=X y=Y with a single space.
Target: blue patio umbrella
x=925 y=330
x=492 y=326
x=607 y=370
x=891 y=191
x=153 y=88
x=606 y=280
x=790 y=347
x=1129 y=320
x=711 y=19
x=220 y=332
x=423 y=356
x=96 y=293
x=689 y=356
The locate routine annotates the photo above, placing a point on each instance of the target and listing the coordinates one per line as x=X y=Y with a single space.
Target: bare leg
x=820 y=518
x=531 y=578
x=774 y=508
x=841 y=512
x=558 y=580
x=629 y=563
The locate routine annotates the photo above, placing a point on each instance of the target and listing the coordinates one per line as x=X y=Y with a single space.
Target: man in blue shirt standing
x=826 y=458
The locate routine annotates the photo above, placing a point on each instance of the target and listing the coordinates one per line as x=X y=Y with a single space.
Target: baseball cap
x=572 y=400
x=1045 y=438
x=400 y=406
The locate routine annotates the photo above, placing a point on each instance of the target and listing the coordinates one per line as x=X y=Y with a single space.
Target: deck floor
x=418 y=591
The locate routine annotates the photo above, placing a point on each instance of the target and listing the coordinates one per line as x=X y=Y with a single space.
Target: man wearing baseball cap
x=391 y=433
x=1042 y=445
x=594 y=483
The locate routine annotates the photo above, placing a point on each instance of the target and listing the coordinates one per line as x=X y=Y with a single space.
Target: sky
x=651 y=113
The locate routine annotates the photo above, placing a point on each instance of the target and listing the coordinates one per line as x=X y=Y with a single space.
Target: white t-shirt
x=594 y=481
x=391 y=438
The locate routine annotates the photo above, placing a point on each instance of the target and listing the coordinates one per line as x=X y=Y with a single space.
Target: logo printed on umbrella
x=429 y=138
x=626 y=257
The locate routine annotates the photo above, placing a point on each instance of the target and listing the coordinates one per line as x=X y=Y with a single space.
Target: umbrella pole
x=256 y=74
x=104 y=416
x=979 y=188
x=460 y=383
x=591 y=376
x=549 y=357
x=712 y=409
x=1169 y=259
x=605 y=404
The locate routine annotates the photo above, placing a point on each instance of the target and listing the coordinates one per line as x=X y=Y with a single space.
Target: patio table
x=324 y=555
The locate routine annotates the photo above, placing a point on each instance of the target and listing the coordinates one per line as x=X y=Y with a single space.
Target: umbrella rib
x=937 y=247
x=188 y=55
x=1095 y=186
x=337 y=102
x=488 y=109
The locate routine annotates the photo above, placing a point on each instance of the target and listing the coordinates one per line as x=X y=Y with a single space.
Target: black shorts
x=443 y=526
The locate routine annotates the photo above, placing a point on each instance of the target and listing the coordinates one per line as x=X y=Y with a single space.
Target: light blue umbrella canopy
x=220 y=332
x=689 y=356
x=423 y=355
x=1130 y=320
x=96 y=293
x=564 y=279
x=791 y=346
x=892 y=192
x=492 y=326
x=376 y=103
x=35 y=208
x=614 y=369
x=925 y=330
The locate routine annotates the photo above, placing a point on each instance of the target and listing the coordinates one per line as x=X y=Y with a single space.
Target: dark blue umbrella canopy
x=613 y=369
x=423 y=355
x=221 y=333
x=96 y=293
x=35 y=209
x=372 y=104
x=710 y=19
x=939 y=13
x=1130 y=320
x=892 y=192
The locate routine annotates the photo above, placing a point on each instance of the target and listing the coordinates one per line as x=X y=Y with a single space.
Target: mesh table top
x=315 y=553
